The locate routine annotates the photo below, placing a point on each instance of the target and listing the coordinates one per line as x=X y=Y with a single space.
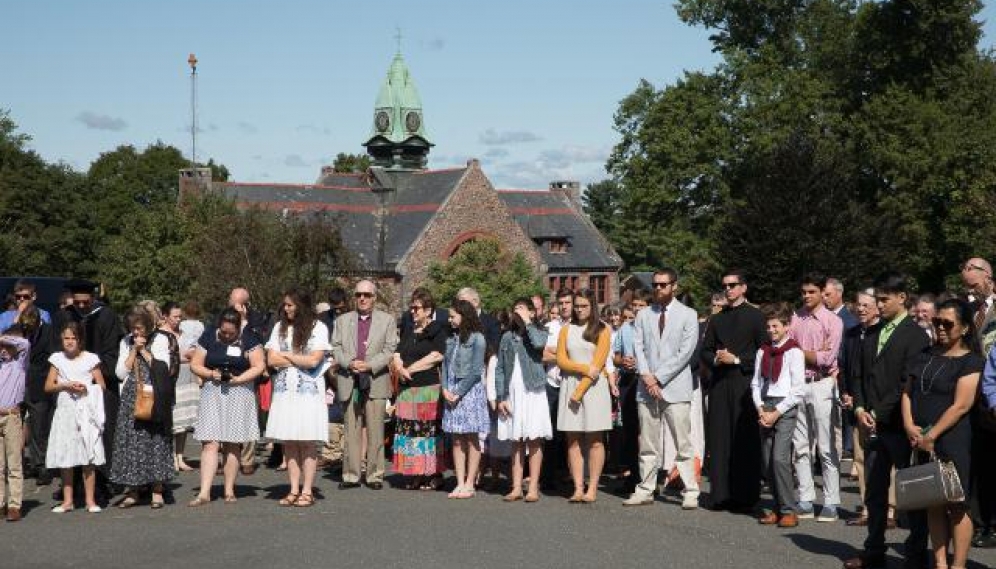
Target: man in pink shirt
x=818 y=332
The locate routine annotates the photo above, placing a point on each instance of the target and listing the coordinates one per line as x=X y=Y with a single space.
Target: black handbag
x=934 y=483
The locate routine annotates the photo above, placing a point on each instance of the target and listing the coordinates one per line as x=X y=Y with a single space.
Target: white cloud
x=492 y=137
x=95 y=121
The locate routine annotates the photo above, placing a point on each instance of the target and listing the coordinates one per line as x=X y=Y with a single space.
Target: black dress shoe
x=375 y=485
x=348 y=485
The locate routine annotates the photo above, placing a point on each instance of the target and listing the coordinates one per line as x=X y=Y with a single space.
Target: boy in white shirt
x=779 y=378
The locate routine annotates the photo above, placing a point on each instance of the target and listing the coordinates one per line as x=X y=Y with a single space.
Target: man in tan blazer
x=363 y=343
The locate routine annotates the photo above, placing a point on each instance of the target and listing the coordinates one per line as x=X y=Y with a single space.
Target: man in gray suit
x=363 y=343
x=665 y=338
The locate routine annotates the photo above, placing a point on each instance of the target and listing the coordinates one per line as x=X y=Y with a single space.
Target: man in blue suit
x=664 y=342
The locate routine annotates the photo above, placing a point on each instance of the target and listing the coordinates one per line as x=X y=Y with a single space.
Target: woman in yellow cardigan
x=585 y=410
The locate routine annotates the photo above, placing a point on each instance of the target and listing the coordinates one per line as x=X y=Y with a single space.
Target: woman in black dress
x=419 y=454
x=940 y=392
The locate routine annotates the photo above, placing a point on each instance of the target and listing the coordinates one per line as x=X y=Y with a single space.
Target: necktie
x=661 y=321
x=980 y=314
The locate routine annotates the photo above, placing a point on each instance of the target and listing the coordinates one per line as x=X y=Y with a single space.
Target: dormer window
x=558 y=246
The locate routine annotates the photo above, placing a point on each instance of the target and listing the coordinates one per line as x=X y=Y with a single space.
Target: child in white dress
x=78 y=422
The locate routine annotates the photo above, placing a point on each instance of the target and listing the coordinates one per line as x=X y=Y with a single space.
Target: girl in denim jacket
x=465 y=415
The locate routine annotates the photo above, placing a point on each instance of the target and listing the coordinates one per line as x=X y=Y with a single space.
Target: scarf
x=771 y=359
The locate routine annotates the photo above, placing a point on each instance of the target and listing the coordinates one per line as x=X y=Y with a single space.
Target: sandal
x=456 y=492
x=157 y=503
x=62 y=509
x=512 y=497
x=231 y=499
x=577 y=498
x=531 y=498
x=198 y=502
x=289 y=499
x=465 y=494
x=432 y=483
x=128 y=501
x=305 y=501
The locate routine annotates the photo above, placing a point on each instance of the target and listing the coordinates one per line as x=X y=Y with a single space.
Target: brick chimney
x=194 y=181
x=570 y=189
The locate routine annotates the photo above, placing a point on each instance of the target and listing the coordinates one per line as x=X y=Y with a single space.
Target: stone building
x=399 y=217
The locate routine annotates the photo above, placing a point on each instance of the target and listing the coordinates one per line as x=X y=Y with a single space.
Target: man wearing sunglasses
x=25 y=296
x=730 y=346
x=885 y=352
x=363 y=344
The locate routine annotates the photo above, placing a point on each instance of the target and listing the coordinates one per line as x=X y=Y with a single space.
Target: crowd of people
x=648 y=392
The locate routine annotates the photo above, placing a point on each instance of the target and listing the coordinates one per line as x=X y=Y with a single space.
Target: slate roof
x=355 y=201
x=546 y=214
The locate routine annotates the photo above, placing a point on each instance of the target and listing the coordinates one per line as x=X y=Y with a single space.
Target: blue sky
x=527 y=87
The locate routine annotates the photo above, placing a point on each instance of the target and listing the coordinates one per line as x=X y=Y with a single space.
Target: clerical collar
x=364 y=316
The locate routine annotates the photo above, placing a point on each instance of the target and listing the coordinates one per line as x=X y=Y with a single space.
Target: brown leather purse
x=144 y=400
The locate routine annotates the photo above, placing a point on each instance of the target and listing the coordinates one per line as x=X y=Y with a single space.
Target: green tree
x=351 y=163
x=483 y=264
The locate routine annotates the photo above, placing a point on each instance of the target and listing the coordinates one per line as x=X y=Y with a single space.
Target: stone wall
x=472 y=211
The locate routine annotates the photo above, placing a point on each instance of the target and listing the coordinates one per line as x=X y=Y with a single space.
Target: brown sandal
x=289 y=500
x=305 y=501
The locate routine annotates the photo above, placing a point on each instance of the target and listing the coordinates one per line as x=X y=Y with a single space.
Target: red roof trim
x=454 y=169
x=542 y=211
x=324 y=206
x=308 y=206
x=514 y=191
x=306 y=186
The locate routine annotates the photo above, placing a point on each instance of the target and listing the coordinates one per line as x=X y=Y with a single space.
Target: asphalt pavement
x=402 y=528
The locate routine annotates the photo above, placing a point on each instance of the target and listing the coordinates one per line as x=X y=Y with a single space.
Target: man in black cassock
x=734 y=443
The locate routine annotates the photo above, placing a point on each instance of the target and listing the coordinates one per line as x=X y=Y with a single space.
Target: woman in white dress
x=585 y=410
x=520 y=385
x=78 y=422
x=298 y=349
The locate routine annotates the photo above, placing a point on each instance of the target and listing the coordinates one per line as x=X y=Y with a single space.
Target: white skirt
x=297 y=410
x=67 y=446
x=530 y=418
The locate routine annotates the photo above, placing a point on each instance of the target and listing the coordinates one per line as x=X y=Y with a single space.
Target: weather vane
x=397 y=37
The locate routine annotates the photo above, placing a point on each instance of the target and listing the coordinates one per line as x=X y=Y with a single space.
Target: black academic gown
x=734 y=442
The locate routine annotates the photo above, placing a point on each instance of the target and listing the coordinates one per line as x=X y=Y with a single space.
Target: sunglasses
x=363 y=294
x=731 y=285
x=971 y=267
x=22 y=296
x=662 y=285
x=943 y=324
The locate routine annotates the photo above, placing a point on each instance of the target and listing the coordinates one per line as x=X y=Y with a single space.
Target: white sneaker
x=93 y=510
x=690 y=503
x=638 y=500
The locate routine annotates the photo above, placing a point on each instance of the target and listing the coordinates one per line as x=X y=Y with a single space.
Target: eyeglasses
x=941 y=323
x=359 y=294
x=731 y=285
x=971 y=267
x=22 y=296
x=662 y=285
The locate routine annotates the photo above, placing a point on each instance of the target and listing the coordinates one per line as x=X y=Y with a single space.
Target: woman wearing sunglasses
x=940 y=392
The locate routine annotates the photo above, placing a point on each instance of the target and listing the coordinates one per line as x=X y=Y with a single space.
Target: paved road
x=397 y=528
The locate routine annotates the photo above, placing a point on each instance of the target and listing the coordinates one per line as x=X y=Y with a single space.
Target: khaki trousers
x=12 y=441
x=859 y=469
x=367 y=413
x=332 y=450
x=654 y=414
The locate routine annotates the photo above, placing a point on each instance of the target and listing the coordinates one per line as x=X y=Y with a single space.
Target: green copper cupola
x=397 y=137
